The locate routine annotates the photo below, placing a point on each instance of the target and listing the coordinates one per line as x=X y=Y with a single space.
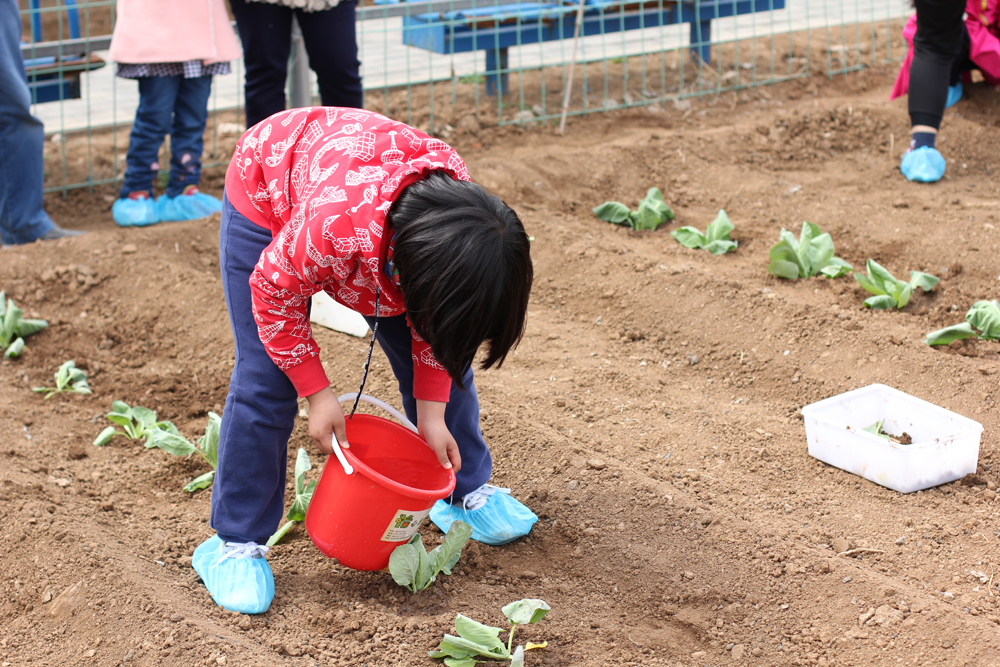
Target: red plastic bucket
x=360 y=518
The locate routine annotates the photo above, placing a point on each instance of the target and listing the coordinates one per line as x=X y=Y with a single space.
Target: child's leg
x=249 y=487
x=187 y=133
x=152 y=123
x=461 y=416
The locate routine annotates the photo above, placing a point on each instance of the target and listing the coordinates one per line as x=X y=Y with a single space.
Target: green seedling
x=715 y=239
x=207 y=447
x=477 y=642
x=877 y=429
x=982 y=322
x=137 y=423
x=889 y=292
x=806 y=256
x=69 y=380
x=411 y=566
x=303 y=494
x=14 y=328
x=652 y=212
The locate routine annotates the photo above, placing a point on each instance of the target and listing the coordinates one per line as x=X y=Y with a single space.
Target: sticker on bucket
x=403 y=525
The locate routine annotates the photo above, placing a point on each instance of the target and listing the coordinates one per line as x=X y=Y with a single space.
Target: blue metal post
x=701 y=39
x=496 y=71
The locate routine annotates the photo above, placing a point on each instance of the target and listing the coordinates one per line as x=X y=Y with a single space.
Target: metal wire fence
x=442 y=63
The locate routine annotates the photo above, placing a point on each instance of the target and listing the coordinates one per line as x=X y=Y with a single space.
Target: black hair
x=464 y=269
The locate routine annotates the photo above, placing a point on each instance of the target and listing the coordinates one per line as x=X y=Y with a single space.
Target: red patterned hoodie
x=322 y=180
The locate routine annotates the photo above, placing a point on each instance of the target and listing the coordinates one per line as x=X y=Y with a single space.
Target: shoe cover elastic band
x=242 y=550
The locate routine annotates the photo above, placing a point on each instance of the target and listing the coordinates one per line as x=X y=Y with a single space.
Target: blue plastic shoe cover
x=954 y=95
x=187 y=206
x=236 y=575
x=137 y=212
x=495 y=516
x=925 y=165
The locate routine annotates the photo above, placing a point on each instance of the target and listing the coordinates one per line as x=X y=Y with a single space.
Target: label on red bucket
x=403 y=525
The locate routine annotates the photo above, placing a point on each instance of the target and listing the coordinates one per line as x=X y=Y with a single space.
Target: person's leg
x=332 y=46
x=461 y=416
x=249 y=485
x=22 y=137
x=187 y=133
x=157 y=95
x=494 y=515
x=936 y=46
x=266 y=33
x=183 y=201
x=249 y=489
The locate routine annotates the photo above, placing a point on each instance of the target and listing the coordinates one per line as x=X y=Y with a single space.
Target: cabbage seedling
x=414 y=568
x=982 y=321
x=303 y=494
x=889 y=292
x=137 y=423
x=477 y=642
x=14 y=329
x=69 y=380
x=207 y=447
x=715 y=239
x=806 y=256
x=652 y=212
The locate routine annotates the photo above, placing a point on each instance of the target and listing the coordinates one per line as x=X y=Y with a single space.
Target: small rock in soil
x=76 y=452
x=597 y=464
x=738 y=651
x=129 y=248
x=840 y=545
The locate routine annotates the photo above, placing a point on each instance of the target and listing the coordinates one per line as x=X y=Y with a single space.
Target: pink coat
x=984 y=44
x=168 y=31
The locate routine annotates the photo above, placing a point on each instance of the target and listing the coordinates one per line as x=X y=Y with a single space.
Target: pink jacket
x=984 y=44
x=169 y=31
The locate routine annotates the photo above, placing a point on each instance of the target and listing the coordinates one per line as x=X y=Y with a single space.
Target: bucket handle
x=381 y=404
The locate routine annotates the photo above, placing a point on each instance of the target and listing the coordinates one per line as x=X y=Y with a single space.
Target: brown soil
x=650 y=416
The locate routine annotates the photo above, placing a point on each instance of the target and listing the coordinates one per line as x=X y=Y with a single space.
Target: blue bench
x=496 y=29
x=54 y=78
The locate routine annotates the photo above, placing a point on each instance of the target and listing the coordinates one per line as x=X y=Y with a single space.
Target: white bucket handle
x=381 y=404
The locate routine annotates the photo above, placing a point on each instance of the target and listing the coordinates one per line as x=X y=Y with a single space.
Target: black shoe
x=58 y=232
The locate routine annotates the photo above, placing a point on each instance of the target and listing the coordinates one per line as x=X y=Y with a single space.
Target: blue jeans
x=167 y=105
x=22 y=137
x=249 y=488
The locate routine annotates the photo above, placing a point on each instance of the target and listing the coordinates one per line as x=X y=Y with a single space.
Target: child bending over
x=368 y=210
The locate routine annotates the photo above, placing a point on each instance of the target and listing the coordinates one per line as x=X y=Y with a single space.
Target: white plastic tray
x=945 y=444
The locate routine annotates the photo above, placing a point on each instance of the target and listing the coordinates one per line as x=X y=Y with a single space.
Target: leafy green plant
x=806 y=256
x=303 y=494
x=652 y=212
x=715 y=239
x=207 y=447
x=982 y=321
x=889 y=292
x=69 y=380
x=14 y=328
x=137 y=423
x=411 y=566
x=476 y=639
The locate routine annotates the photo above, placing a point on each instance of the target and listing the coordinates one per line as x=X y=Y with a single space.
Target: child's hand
x=430 y=423
x=326 y=419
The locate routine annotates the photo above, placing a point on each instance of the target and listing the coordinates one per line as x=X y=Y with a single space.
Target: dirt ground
x=650 y=416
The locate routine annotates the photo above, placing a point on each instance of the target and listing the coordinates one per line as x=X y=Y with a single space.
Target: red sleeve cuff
x=308 y=377
x=430 y=384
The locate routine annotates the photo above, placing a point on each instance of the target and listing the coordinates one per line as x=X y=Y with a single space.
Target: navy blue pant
x=167 y=105
x=249 y=487
x=22 y=137
x=266 y=32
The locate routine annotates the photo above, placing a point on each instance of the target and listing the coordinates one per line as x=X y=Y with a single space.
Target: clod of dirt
x=129 y=248
x=64 y=605
x=840 y=545
x=597 y=464
x=76 y=452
